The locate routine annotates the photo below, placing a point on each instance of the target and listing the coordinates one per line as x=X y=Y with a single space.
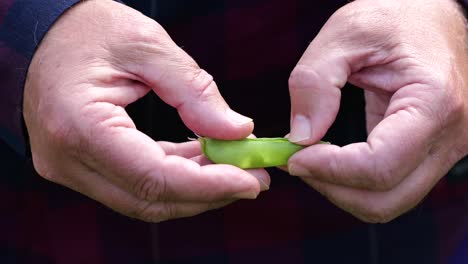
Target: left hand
x=411 y=58
x=82 y=77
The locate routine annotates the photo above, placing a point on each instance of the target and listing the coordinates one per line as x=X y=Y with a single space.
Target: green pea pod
x=249 y=153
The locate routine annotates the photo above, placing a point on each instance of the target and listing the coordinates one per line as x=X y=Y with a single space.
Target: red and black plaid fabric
x=250 y=47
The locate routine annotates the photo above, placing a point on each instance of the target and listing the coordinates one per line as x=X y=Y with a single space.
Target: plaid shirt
x=250 y=46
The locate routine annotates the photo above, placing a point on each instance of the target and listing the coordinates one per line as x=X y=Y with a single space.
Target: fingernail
x=263 y=185
x=264 y=179
x=238 y=118
x=297 y=170
x=300 y=129
x=245 y=195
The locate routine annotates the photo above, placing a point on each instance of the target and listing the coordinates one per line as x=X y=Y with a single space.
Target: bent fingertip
x=301 y=130
x=262 y=177
x=264 y=180
x=258 y=181
x=238 y=119
x=263 y=185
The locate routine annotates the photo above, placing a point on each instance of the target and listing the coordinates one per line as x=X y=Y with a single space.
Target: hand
x=411 y=59
x=98 y=58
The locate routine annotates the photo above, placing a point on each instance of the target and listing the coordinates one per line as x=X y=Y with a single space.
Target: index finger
x=396 y=146
x=179 y=81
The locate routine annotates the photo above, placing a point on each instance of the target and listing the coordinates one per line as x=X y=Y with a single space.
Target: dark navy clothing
x=250 y=47
x=23 y=24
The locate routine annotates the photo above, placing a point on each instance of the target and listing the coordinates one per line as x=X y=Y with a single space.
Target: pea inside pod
x=249 y=153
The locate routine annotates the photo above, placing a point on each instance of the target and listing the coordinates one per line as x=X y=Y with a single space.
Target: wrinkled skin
x=98 y=58
x=411 y=59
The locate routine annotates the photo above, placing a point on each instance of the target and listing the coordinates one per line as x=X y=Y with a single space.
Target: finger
x=202 y=160
x=315 y=97
x=376 y=106
x=314 y=88
x=101 y=189
x=380 y=207
x=138 y=164
x=260 y=174
x=122 y=91
x=171 y=210
x=337 y=52
x=208 y=179
x=179 y=81
x=396 y=146
x=187 y=149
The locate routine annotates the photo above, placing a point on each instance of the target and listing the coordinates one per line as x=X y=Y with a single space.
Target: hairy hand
x=99 y=57
x=411 y=58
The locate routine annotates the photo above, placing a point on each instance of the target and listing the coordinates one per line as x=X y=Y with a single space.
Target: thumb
x=314 y=88
x=344 y=46
x=178 y=80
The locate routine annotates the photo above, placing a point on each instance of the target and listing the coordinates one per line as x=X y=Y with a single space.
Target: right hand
x=411 y=58
x=99 y=57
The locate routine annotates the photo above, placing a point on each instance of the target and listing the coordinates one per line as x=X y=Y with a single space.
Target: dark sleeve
x=23 y=24
x=464 y=5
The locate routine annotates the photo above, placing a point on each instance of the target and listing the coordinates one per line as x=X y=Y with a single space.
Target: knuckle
x=58 y=134
x=201 y=83
x=383 y=180
x=148 y=31
x=335 y=166
x=144 y=211
x=42 y=168
x=49 y=172
x=372 y=27
x=168 y=211
x=381 y=175
x=455 y=108
x=44 y=163
x=378 y=214
x=150 y=188
x=370 y=212
x=153 y=213
x=143 y=43
x=448 y=106
x=367 y=20
x=301 y=77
